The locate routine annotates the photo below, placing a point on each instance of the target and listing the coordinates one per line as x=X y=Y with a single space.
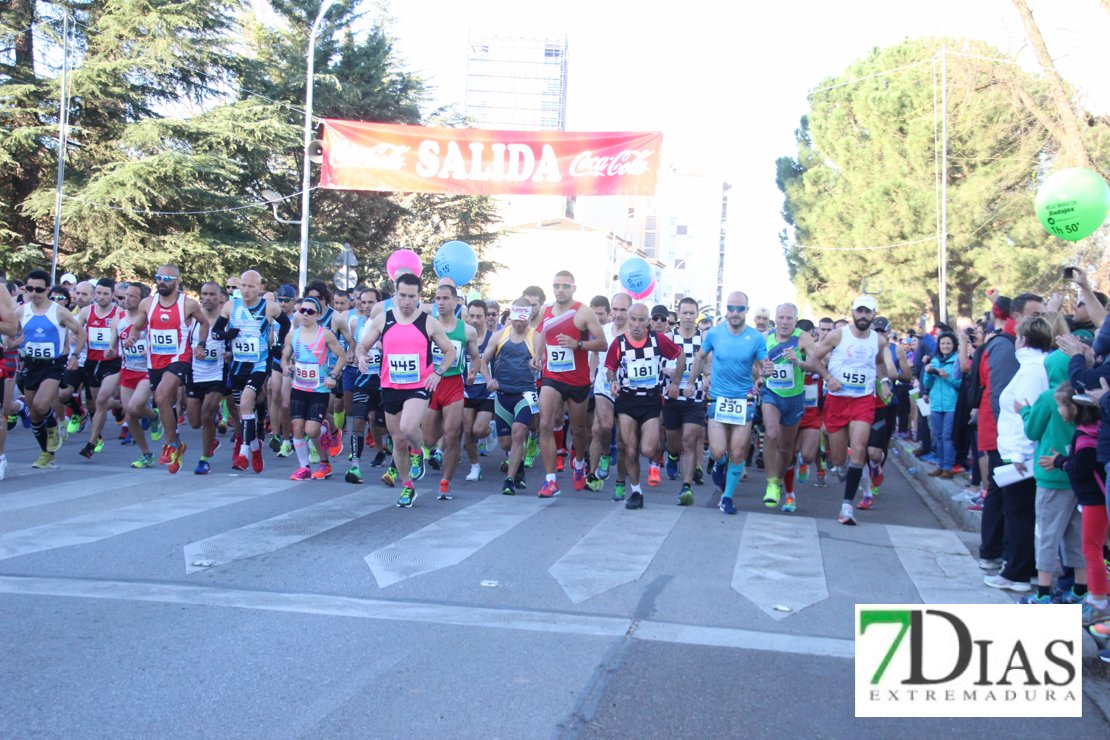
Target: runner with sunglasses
x=570 y=331
x=307 y=359
x=165 y=316
x=282 y=440
x=408 y=375
x=738 y=351
x=44 y=324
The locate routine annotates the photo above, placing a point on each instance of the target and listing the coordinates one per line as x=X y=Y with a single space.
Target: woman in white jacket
x=1034 y=342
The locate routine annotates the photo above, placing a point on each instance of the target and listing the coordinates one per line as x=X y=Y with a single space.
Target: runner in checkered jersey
x=634 y=364
x=684 y=418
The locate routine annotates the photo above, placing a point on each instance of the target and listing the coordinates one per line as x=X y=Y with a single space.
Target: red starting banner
x=417 y=159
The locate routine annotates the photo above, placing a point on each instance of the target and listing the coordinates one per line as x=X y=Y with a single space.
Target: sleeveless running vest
x=210 y=368
x=99 y=330
x=786 y=380
x=510 y=363
x=406 y=352
x=169 y=336
x=565 y=364
x=135 y=357
x=251 y=345
x=457 y=336
x=43 y=336
x=310 y=362
x=852 y=362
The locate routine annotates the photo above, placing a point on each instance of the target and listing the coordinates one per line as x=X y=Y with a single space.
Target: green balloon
x=1073 y=203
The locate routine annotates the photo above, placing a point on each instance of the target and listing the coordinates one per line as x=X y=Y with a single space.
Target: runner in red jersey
x=102 y=363
x=565 y=361
x=166 y=318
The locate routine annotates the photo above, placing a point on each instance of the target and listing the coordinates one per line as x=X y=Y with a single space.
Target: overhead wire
x=145 y=212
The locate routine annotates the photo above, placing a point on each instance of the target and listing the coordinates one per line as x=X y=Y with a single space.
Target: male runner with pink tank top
x=568 y=334
x=408 y=375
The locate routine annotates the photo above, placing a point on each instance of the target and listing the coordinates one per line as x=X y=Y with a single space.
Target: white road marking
x=452 y=539
x=780 y=564
x=615 y=552
x=941 y=568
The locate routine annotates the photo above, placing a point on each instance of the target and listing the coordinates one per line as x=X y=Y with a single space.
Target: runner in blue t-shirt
x=736 y=348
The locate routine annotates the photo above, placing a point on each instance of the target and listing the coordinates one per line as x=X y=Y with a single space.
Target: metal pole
x=63 y=126
x=942 y=269
x=306 y=183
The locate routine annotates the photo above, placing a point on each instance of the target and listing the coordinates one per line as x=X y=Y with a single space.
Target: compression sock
x=340 y=420
x=39 y=430
x=250 y=432
x=735 y=473
x=855 y=475
x=50 y=418
x=301 y=446
x=560 y=439
x=358 y=442
x=788 y=480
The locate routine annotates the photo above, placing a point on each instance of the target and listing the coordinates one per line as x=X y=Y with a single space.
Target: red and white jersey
x=134 y=357
x=99 y=329
x=168 y=332
x=565 y=364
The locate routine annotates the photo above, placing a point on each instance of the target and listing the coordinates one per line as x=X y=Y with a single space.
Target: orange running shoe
x=323 y=471
x=653 y=475
x=167 y=455
x=178 y=453
x=560 y=464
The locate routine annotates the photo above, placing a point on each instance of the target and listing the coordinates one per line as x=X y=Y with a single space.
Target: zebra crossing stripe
x=615 y=552
x=37 y=495
x=452 y=539
x=780 y=568
x=102 y=525
x=941 y=568
x=283 y=530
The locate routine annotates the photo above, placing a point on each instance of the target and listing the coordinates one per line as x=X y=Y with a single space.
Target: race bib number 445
x=404 y=369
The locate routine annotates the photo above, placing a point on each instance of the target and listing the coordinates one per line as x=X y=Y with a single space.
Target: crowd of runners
x=612 y=387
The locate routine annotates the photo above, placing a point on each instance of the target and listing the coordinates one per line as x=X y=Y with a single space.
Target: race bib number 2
x=560 y=359
x=731 y=411
x=404 y=369
x=99 y=338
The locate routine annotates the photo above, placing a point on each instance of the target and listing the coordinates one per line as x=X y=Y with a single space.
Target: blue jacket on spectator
x=1083 y=377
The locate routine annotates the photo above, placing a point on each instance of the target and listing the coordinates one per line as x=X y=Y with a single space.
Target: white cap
x=865 y=301
x=69 y=277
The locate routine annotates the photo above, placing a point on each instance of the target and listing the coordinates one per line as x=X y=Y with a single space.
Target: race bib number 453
x=852 y=382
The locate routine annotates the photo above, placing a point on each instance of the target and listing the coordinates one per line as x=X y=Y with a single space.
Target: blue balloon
x=456 y=260
x=636 y=275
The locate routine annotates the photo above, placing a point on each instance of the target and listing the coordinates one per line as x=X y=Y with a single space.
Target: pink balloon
x=403 y=258
x=647 y=292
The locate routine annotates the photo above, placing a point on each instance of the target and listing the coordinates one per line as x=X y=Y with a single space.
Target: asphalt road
x=140 y=604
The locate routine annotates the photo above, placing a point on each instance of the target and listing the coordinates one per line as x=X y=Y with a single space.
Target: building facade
x=516 y=84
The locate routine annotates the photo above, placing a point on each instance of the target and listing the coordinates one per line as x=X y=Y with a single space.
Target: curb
x=940 y=491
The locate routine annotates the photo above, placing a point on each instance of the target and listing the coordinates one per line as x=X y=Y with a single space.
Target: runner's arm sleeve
x=220 y=330
x=284 y=325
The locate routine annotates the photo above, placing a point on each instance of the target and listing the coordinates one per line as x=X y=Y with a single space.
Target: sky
x=727 y=84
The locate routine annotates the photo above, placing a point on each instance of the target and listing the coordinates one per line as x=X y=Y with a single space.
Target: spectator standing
x=942 y=382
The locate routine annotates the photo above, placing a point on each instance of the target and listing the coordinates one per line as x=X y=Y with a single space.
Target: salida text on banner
x=418 y=159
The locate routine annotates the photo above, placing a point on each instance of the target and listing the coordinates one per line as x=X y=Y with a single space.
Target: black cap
x=660 y=310
x=881 y=323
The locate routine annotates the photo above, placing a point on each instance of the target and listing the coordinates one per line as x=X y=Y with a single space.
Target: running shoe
x=76 y=422
x=53 y=439
x=846 y=515
x=772 y=496
x=635 y=501
x=275 y=443
x=13 y=419
x=46 y=460
x=408 y=495
x=167 y=454
x=719 y=473
x=788 y=506
x=841 y=472
x=354 y=475
x=1067 y=597
x=155 y=428
x=560 y=464
x=390 y=476
x=803 y=473
x=505 y=466
x=178 y=453
x=1035 y=599
x=867 y=501
x=1093 y=615
x=759 y=459
x=24 y=414
x=531 y=449
x=965 y=495
x=416 y=466
x=654 y=477
x=820 y=482
x=548 y=489
x=877 y=475
x=203 y=468
x=444 y=491
x=699 y=476
x=519 y=480
x=301 y=474
x=379 y=459
x=509 y=489
x=145 y=461
x=603 y=466
x=323 y=471
x=594 y=483
x=1101 y=632
x=1007 y=585
x=335 y=449
x=672 y=466
x=874 y=490
x=686 y=496
x=256 y=460
x=475 y=473
x=618 y=491
x=99 y=446
x=286 y=449
x=313 y=454
x=435 y=460
x=976 y=504
x=125 y=435
x=87 y=451
x=221 y=426
x=726 y=505
x=239 y=462
x=578 y=481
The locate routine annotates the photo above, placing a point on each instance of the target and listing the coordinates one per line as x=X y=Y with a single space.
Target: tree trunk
x=24 y=177
x=1065 y=111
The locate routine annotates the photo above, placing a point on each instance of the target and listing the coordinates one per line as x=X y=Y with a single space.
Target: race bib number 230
x=731 y=411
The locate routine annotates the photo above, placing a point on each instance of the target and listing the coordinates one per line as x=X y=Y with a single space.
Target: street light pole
x=307 y=180
x=63 y=133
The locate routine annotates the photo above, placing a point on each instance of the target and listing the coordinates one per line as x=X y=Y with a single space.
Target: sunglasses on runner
x=673 y=323
x=164 y=278
x=737 y=309
x=284 y=300
x=564 y=286
x=33 y=289
x=58 y=298
x=308 y=311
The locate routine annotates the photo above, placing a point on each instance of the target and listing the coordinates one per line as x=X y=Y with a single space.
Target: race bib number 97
x=560 y=359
